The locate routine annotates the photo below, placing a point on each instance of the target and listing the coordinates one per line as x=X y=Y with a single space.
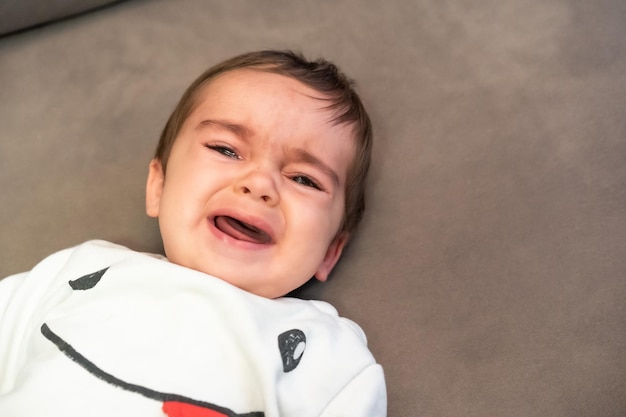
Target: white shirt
x=101 y=330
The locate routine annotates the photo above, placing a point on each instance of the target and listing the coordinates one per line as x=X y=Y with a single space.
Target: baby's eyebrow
x=301 y=155
x=240 y=130
x=297 y=154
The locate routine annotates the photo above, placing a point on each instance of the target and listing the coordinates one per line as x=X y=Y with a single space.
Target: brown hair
x=321 y=75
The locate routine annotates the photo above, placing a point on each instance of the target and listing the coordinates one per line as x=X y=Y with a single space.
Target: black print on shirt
x=87 y=282
x=173 y=404
x=291 y=345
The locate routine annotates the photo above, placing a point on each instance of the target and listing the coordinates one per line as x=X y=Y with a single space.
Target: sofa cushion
x=16 y=15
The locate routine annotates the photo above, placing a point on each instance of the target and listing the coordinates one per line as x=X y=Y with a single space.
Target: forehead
x=260 y=100
x=247 y=87
x=252 y=75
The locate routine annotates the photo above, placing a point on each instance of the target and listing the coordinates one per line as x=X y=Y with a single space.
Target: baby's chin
x=261 y=286
x=264 y=290
x=260 y=280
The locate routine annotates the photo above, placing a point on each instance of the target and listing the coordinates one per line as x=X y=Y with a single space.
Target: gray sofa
x=489 y=273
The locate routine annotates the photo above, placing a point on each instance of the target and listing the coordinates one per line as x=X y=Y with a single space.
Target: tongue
x=241 y=231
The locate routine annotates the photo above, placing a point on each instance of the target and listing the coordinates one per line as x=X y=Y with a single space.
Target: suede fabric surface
x=489 y=270
x=16 y=15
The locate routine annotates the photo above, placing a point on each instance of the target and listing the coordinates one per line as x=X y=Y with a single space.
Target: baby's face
x=254 y=185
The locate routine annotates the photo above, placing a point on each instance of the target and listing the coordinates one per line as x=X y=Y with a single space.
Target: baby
x=257 y=184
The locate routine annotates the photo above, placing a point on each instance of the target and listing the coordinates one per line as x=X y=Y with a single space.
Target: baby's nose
x=259 y=184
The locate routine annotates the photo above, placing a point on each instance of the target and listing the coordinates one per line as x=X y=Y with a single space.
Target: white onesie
x=100 y=330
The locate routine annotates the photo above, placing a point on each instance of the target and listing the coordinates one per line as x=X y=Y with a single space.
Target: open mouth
x=241 y=230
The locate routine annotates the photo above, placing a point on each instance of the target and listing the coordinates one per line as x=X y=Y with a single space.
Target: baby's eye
x=224 y=150
x=306 y=181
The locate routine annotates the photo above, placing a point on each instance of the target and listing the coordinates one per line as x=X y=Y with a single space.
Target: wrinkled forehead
x=242 y=78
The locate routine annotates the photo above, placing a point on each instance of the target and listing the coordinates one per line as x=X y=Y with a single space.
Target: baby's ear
x=154 y=188
x=332 y=256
